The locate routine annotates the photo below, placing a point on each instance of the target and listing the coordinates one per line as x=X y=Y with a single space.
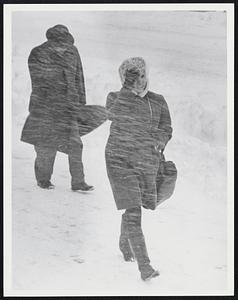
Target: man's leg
x=76 y=167
x=75 y=163
x=44 y=164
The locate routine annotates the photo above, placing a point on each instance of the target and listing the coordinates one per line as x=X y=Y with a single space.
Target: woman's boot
x=132 y=220
x=140 y=252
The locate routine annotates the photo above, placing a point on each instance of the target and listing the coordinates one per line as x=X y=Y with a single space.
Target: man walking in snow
x=58 y=93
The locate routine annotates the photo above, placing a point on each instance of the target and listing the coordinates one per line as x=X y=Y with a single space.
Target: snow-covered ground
x=67 y=241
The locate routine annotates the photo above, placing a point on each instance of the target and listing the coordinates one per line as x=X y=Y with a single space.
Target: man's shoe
x=83 y=186
x=45 y=185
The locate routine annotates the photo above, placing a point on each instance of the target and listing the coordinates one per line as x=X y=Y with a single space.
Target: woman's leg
x=132 y=218
x=124 y=244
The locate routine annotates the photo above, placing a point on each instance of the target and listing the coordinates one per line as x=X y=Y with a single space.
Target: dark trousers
x=44 y=163
x=132 y=240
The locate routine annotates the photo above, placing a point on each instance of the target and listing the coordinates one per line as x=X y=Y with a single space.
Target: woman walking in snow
x=140 y=129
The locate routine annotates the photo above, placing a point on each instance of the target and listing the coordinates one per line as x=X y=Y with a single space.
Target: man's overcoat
x=58 y=91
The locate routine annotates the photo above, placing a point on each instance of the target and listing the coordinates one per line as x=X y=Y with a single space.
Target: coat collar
x=125 y=90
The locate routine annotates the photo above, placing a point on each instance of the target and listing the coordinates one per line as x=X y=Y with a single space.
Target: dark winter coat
x=131 y=158
x=58 y=91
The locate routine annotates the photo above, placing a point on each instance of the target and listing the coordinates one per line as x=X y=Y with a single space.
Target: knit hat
x=140 y=64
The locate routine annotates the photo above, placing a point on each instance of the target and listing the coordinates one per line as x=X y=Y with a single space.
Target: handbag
x=165 y=179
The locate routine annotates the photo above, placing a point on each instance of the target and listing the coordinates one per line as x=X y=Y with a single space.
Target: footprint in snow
x=77 y=259
x=220 y=267
x=54 y=226
x=19 y=158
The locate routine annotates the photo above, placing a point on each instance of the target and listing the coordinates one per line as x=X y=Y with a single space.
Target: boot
x=82 y=186
x=124 y=243
x=140 y=252
x=126 y=249
x=148 y=272
x=45 y=185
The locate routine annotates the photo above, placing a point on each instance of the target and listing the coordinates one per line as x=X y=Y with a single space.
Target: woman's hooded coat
x=138 y=123
x=58 y=91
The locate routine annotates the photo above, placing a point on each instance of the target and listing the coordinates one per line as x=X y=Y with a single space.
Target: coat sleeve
x=70 y=71
x=164 y=130
x=33 y=69
x=165 y=121
x=110 y=103
x=120 y=107
x=79 y=80
x=38 y=74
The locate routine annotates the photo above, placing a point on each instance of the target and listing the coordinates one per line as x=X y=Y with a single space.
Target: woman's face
x=141 y=82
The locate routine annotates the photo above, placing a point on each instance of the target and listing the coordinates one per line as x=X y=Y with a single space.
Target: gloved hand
x=159 y=146
x=161 y=139
x=131 y=75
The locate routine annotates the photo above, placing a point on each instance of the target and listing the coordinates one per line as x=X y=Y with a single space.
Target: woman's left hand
x=159 y=146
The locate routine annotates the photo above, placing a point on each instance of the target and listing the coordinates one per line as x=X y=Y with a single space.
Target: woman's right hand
x=131 y=75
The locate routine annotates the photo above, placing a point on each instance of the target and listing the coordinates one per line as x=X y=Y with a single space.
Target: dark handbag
x=165 y=180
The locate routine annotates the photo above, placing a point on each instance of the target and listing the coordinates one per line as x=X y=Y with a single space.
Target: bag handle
x=162 y=154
